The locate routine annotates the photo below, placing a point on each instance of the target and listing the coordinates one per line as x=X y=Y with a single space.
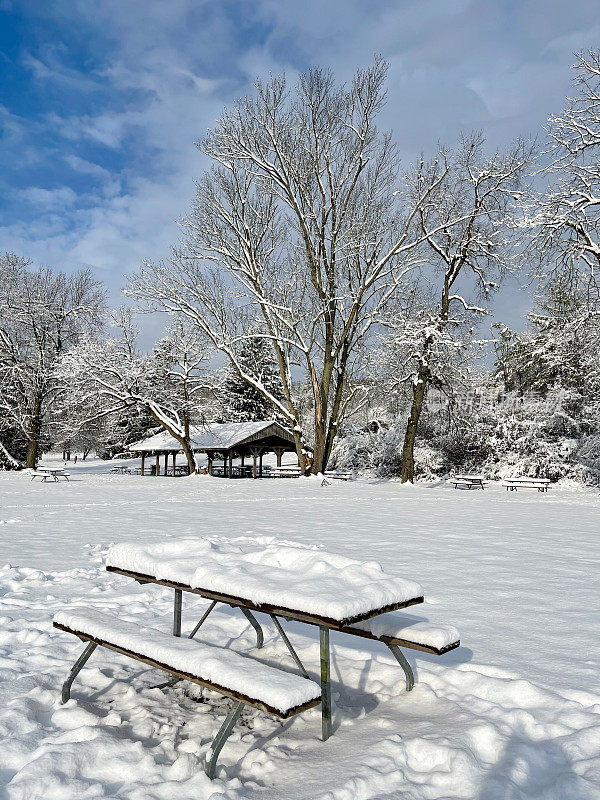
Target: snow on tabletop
x=275 y=688
x=309 y=581
x=400 y=627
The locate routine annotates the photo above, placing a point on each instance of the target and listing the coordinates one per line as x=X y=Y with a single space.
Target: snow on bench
x=245 y=680
x=268 y=688
x=512 y=484
x=395 y=628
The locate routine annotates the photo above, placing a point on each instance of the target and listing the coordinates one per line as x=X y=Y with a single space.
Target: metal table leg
x=177 y=612
x=401 y=659
x=221 y=738
x=76 y=669
x=293 y=653
x=204 y=616
x=325 y=684
x=255 y=624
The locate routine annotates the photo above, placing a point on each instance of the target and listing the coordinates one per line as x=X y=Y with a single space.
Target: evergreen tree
x=239 y=401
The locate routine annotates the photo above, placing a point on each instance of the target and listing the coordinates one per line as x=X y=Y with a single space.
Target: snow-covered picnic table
x=513 y=484
x=50 y=472
x=468 y=481
x=295 y=583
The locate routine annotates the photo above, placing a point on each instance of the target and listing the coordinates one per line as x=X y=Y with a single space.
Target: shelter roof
x=216 y=436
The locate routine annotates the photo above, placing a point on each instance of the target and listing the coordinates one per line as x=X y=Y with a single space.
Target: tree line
x=322 y=273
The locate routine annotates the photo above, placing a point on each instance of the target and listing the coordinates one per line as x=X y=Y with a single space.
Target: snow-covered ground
x=514 y=713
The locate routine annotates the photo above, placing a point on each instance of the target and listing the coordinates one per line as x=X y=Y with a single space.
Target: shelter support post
x=209 y=456
x=157 y=470
x=279 y=451
x=143 y=462
x=174 y=463
x=325 y=684
x=256 y=452
x=166 y=464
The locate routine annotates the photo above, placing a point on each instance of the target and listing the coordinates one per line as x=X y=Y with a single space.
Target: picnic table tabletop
x=50 y=469
x=296 y=582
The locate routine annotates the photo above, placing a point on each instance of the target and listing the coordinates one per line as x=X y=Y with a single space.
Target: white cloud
x=62 y=197
x=455 y=64
x=86 y=167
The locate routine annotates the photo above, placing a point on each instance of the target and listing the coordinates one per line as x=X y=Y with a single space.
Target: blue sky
x=101 y=101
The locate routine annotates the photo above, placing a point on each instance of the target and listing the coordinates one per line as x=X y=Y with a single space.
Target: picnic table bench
x=120 y=470
x=285 y=472
x=336 y=475
x=180 y=470
x=245 y=680
x=358 y=600
x=468 y=481
x=50 y=472
x=513 y=484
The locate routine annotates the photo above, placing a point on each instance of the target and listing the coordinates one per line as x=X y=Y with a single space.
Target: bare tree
x=44 y=314
x=111 y=375
x=465 y=225
x=566 y=219
x=300 y=235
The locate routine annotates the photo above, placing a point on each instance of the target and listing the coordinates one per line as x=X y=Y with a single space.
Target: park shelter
x=222 y=442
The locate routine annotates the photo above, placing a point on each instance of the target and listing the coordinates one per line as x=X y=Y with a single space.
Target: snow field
x=515 y=713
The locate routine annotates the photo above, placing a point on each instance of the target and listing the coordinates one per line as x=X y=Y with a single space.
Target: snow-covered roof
x=216 y=436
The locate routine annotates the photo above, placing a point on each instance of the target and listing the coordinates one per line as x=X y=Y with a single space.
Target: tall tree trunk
x=184 y=440
x=320 y=414
x=33 y=443
x=408 y=448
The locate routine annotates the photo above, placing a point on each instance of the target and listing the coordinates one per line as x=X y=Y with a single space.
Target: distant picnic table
x=468 y=481
x=50 y=472
x=513 y=484
x=305 y=585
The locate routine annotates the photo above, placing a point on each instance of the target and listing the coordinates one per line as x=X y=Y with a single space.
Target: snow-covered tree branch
x=303 y=232
x=44 y=314
x=110 y=375
x=466 y=227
